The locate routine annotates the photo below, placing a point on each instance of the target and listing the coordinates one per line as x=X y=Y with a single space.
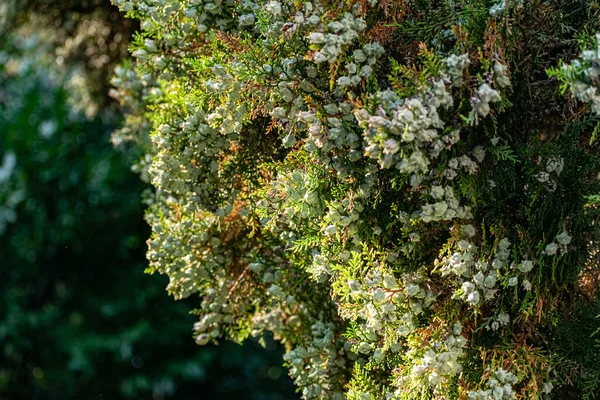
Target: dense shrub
x=398 y=191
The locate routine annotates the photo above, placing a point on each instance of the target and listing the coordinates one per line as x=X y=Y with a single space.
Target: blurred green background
x=78 y=317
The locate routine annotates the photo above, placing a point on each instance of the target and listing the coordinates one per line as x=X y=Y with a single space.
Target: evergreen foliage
x=401 y=192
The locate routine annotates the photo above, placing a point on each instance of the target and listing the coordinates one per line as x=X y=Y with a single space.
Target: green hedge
x=398 y=191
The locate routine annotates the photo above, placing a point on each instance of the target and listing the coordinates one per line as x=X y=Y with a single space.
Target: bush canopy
x=401 y=192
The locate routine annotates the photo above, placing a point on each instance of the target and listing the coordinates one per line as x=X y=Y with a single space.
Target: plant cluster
x=395 y=190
